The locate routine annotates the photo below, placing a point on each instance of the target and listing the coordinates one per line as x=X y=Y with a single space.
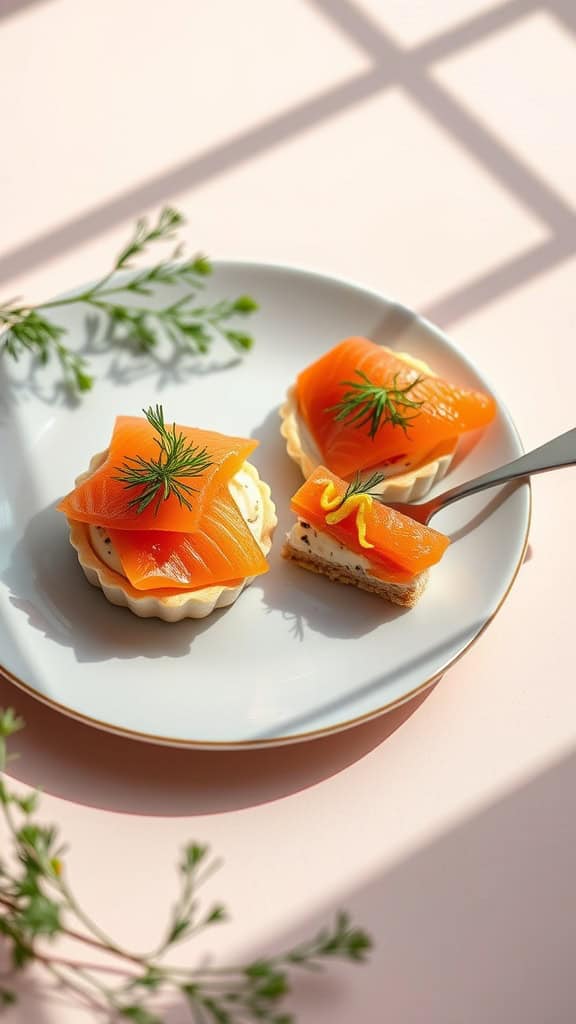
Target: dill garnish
x=162 y=477
x=369 y=403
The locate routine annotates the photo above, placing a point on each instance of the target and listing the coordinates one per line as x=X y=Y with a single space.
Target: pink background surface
x=426 y=149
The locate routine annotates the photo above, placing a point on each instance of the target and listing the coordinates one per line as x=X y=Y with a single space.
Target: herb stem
x=92 y=296
x=36 y=902
x=106 y=942
x=27 y=329
x=87 y=940
x=69 y=983
x=84 y=965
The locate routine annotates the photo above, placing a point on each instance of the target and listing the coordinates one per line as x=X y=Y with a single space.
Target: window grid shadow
x=391 y=65
x=506 y=167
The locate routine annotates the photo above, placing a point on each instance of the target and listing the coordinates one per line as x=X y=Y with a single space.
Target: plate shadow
x=47 y=584
x=79 y=763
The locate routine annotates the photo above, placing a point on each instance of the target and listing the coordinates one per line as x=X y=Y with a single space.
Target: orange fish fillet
x=446 y=412
x=402 y=548
x=103 y=501
x=221 y=550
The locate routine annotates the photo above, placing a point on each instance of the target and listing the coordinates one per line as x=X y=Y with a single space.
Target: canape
x=171 y=521
x=344 y=532
x=362 y=408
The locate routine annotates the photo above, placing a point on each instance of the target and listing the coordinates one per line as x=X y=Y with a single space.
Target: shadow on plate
x=390 y=329
x=79 y=763
x=47 y=584
x=109 y=355
x=498 y=499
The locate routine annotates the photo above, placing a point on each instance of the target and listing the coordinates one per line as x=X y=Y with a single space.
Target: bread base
x=404 y=594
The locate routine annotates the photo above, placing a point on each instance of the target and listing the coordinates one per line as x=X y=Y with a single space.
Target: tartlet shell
x=409 y=486
x=195 y=604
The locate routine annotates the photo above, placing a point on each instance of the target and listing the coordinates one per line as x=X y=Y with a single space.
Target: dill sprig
x=38 y=906
x=159 y=479
x=190 y=327
x=363 y=485
x=373 y=404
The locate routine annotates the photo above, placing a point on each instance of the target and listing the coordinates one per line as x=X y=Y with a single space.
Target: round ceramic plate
x=296 y=656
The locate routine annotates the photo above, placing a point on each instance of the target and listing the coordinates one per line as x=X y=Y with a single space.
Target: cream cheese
x=246 y=494
x=306 y=538
x=104 y=548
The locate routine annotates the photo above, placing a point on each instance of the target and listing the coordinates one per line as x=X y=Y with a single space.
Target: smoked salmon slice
x=222 y=550
x=402 y=548
x=439 y=412
x=103 y=500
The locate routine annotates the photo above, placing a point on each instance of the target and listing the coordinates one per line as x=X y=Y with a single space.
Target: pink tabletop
x=426 y=150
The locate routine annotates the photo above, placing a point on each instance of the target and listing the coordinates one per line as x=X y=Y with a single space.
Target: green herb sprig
x=363 y=485
x=158 y=479
x=37 y=905
x=368 y=403
x=189 y=326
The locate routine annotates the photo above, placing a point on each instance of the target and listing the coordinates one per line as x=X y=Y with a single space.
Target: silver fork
x=559 y=452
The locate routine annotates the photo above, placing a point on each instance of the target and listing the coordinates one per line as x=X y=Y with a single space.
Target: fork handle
x=556 y=453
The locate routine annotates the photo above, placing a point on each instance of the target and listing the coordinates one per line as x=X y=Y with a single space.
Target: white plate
x=296 y=656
